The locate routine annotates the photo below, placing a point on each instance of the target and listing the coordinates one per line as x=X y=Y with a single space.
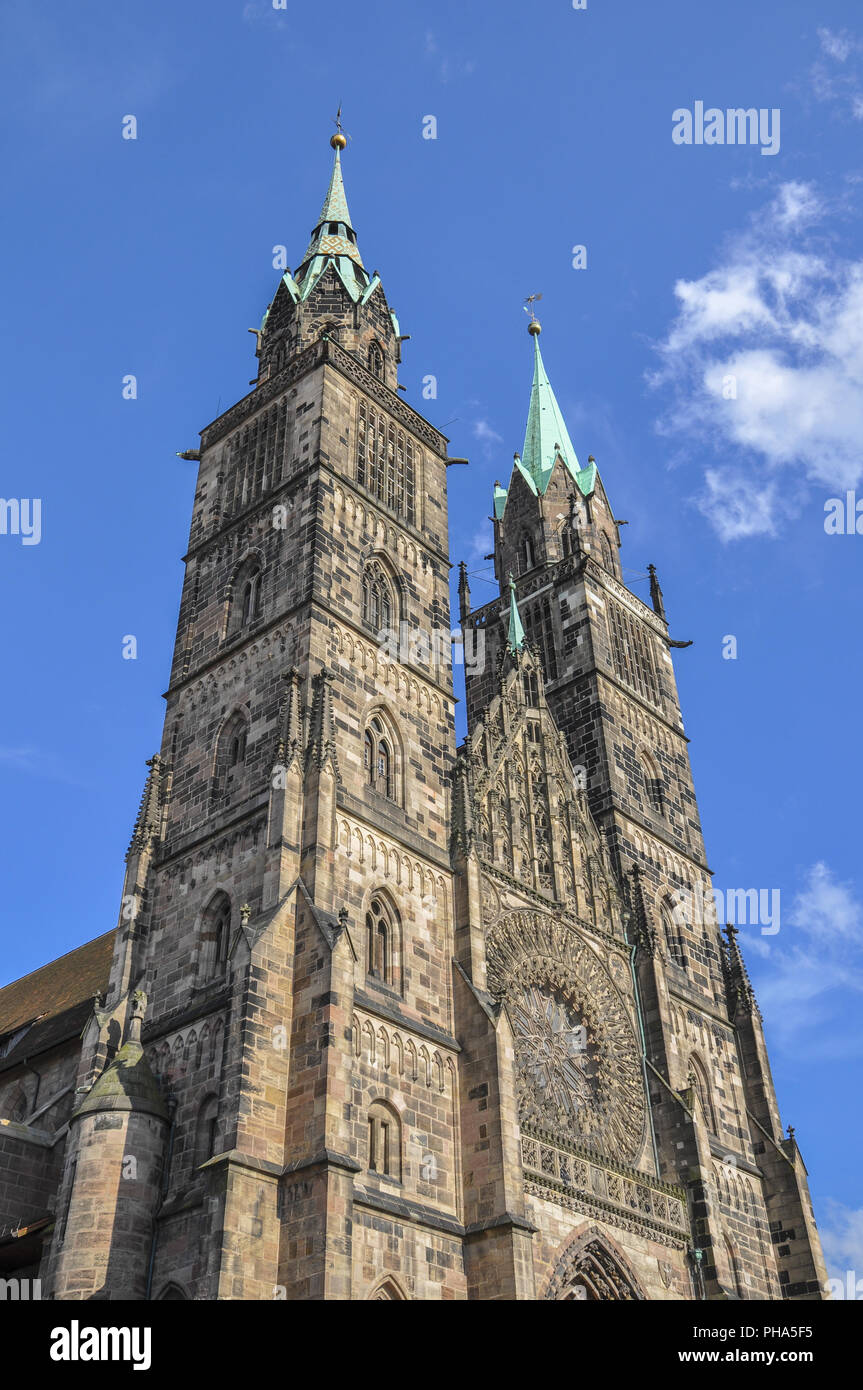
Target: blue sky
x=704 y=262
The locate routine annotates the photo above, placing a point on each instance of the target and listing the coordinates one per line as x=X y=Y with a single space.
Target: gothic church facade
x=383 y=1018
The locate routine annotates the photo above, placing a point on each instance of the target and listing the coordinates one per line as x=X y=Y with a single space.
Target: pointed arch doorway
x=591 y=1269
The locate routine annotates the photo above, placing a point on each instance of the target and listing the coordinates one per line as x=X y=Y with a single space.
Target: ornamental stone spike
x=148 y=822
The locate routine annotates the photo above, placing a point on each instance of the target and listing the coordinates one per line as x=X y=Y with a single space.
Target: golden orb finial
x=534 y=327
x=338 y=141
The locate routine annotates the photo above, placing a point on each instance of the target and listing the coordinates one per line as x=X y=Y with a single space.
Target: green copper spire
x=333 y=240
x=545 y=438
x=546 y=435
x=515 y=640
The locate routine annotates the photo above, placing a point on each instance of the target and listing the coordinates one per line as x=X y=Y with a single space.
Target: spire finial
x=338 y=140
x=534 y=327
x=515 y=637
x=546 y=437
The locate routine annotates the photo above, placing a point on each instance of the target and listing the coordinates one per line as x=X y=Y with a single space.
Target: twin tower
x=386 y=1018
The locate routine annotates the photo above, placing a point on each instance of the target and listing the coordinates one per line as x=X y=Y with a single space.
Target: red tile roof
x=58 y=986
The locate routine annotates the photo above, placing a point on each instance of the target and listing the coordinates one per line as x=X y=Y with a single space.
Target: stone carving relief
x=577 y=1064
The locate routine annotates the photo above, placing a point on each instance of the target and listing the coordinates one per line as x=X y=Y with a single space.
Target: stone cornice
x=391 y=1013
x=324 y=350
x=613 y=809
x=404 y=1209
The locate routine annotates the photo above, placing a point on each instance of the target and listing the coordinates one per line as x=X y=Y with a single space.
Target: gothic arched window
x=206 y=1129
x=381 y=757
x=702 y=1086
x=246 y=596
x=652 y=785
x=16 y=1106
x=734 y=1267
x=385 y=1141
x=234 y=736
x=215 y=936
x=376 y=361
x=378 y=759
x=605 y=547
x=251 y=597
x=673 y=937
x=237 y=752
x=526 y=554
x=387 y=462
x=377 y=598
x=381 y=943
x=565 y=539
x=230 y=756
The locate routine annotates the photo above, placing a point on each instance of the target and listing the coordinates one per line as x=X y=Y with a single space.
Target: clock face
x=578 y=1070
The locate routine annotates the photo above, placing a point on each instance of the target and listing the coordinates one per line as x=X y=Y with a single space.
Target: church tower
x=386 y=1018
x=608 y=683
x=287 y=907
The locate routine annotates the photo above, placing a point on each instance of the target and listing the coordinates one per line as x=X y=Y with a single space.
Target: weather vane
x=528 y=305
x=338 y=141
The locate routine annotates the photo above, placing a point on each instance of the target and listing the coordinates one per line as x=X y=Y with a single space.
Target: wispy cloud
x=810 y=978
x=841 y=1231
x=262 y=14
x=34 y=762
x=835 y=79
x=449 y=65
x=835 y=45
x=488 y=438
x=764 y=364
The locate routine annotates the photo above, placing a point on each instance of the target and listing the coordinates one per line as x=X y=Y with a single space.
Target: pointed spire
x=333 y=240
x=149 y=820
x=656 y=593
x=546 y=435
x=643 y=932
x=463 y=592
x=741 y=995
x=290 y=721
x=462 y=833
x=321 y=747
x=515 y=637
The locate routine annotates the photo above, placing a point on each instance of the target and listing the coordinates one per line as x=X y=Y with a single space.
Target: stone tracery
x=577 y=1071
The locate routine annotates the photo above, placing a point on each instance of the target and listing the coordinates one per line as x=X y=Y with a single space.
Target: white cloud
x=488 y=437
x=827 y=910
x=735 y=508
x=832 y=78
x=448 y=65
x=34 y=762
x=836 y=46
x=841 y=1231
x=809 y=986
x=480 y=547
x=764 y=362
x=18 y=757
